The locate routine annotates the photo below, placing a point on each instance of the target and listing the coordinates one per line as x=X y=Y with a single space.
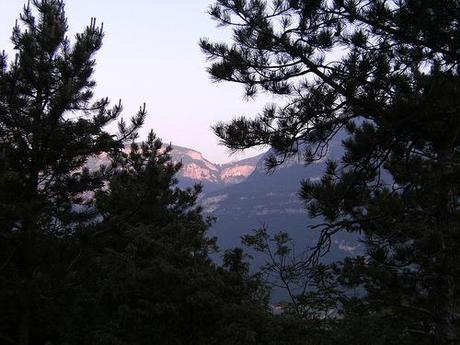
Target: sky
x=150 y=54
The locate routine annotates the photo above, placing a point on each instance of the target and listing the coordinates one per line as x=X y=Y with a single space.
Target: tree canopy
x=387 y=74
x=115 y=255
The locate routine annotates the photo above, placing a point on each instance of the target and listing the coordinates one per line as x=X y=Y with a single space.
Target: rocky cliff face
x=197 y=169
x=194 y=166
x=238 y=171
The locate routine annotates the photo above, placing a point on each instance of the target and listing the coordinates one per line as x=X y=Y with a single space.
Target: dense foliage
x=48 y=129
x=386 y=73
x=113 y=256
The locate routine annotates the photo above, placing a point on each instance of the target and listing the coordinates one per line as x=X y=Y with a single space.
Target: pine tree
x=145 y=274
x=49 y=126
x=113 y=256
x=387 y=72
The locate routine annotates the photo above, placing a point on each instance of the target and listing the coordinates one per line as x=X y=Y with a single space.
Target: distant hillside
x=243 y=196
x=272 y=200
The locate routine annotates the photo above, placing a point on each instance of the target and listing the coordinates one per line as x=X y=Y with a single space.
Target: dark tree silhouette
x=387 y=73
x=113 y=256
x=49 y=126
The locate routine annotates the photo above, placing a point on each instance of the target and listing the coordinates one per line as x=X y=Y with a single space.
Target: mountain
x=271 y=200
x=242 y=197
x=196 y=168
x=238 y=171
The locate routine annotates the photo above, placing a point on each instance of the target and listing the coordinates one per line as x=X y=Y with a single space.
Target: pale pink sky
x=151 y=55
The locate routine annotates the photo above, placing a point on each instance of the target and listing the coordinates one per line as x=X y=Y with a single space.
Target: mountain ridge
x=197 y=169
